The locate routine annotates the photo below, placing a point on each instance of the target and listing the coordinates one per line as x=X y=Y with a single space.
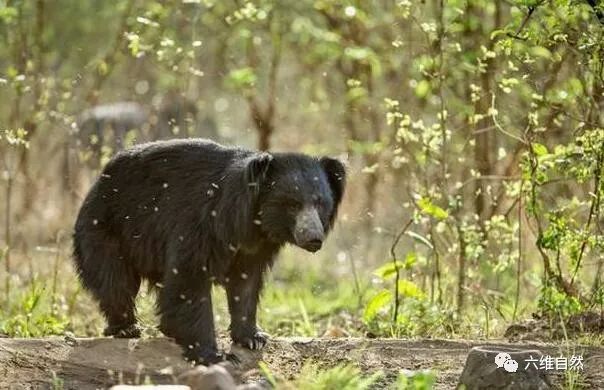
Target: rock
x=150 y=387
x=215 y=377
x=230 y=368
x=252 y=386
x=335 y=332
x=503 y=368
x=70 y=339
x=262 y=384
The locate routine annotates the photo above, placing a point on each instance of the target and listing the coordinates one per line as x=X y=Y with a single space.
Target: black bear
x=184 y=214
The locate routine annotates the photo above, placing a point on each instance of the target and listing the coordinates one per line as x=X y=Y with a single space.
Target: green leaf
x=422 y=89
x=427 y=207
x=359 y=53
x=542 y=52
x=242 y=78
x=409 y=289
x=539 y=149
x=377 y=303
x=410 y=260
x=102 y=68
x=387 y=270
x=8 y=14
x=417 y=380
x=268 y=375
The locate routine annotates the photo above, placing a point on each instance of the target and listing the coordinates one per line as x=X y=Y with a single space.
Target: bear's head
x=297 y=196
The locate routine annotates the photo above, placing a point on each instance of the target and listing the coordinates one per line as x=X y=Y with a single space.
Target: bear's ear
x=257 y=168
x=336 y=174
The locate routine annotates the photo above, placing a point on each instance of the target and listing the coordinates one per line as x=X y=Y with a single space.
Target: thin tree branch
x=516 y=35
x=593 y=211
x=397 y=238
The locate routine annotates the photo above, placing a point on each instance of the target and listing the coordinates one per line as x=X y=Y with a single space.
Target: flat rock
x=150 y=387
x=491 y=367
x=215 y=377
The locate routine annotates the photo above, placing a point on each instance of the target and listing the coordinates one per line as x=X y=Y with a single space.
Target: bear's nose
x=309 y=233
x=312 y=245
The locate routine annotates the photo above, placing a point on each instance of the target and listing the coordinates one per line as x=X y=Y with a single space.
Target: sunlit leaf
x=427 y=207
x=241 y=78
x=539 y=149
x=409 y=289
x=389 y=269
x=377 y=303
x=422 y=89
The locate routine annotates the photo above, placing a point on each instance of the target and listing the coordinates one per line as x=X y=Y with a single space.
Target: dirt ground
x=100 y=362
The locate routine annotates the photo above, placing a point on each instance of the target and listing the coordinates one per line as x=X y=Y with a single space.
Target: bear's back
x=159 y=194
x=156 y=182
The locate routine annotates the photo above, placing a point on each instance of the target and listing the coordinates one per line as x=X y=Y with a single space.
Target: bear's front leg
x=185 y=306
x=243 y=290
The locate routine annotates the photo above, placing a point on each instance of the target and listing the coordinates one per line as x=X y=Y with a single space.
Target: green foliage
x=7 y=14
x=32 y=315
x=558 y=303
x=415 y=313
x=57 y=382
x=267 y=374
x=415 y=380
x=470 y=220
x=306 y=303
x=379 y=302
x=344 y=377
x=568 y=231
x=427 y=207
x=242 y=79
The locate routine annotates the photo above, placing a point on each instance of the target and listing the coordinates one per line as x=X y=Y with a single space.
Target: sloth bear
x=184 y=214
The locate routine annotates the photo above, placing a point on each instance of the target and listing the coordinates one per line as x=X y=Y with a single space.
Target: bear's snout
x=309 y=232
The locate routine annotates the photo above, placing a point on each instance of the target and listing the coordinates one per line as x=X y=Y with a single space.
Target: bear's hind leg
x=117 y=302
x=120 y=310
x=113 y=282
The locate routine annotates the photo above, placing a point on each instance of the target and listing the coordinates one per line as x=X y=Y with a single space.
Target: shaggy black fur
x=184 y=214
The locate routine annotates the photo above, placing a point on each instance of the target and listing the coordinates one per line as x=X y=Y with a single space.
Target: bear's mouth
x=311 y=246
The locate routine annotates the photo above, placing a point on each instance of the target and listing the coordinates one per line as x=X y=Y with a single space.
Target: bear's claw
x=132 y=331
x=209 y=358
x=257 y=341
